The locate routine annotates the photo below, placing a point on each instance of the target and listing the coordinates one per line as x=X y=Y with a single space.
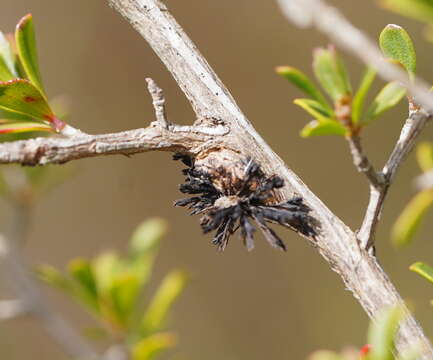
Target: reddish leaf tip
x=56 y=123
x=24 y=20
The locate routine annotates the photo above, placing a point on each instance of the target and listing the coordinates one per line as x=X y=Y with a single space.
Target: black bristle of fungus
x=186 y=159
x=244 y=202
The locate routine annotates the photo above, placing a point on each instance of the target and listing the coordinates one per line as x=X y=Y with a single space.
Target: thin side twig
x=362 y=162
x=158 y=102
x=413 y=126
x=160 y=135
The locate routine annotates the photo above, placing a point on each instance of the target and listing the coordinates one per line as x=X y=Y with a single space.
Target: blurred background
x=238 y=305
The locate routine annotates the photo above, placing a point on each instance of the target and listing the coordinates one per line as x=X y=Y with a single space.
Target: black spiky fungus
x=240 y=196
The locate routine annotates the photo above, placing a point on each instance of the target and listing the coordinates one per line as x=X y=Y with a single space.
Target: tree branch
x=221 y=125
x=160 y=135
x=208 y=96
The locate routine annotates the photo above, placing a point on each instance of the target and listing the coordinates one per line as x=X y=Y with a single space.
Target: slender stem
x=413 y=126
x=362 y=163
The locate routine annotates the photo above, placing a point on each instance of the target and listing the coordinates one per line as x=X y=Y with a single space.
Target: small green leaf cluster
x=24 y=105
x=110 y=287
x=413 y=214
x=342 y=111
x=381 y=336
x=421 y=10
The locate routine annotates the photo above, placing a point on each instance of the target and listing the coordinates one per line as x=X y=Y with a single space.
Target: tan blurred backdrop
x=238 y=305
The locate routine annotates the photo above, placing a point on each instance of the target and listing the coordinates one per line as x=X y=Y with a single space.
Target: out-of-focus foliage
x=24 y=105
x=110 y=287
x=381 y=335
x=347 y=116
x=411 y=218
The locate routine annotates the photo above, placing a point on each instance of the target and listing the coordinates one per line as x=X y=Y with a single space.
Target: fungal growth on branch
x=238 y=195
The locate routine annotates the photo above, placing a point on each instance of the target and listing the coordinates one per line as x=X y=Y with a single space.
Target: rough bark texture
x=337 y=243
x=221 y=125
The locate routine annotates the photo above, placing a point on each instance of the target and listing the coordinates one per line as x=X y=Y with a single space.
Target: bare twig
x=58 y=150
x=362 y=162
x=158 y=102
x=160 y=135
x=415 y=123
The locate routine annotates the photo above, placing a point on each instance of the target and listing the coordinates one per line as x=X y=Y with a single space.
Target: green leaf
x=361 y=93
x=410 y=219
x=324 y=355
x=314 y=108
x=303 y=83
x=424 y=155
x=327 y=127
x=390 y=95
x=382 y=332
x=53 y=277
x=151 y=346
x=26 y=46
x=82 y=272
x=22 y=97
x=331 y=73
x=169 y=290
x=21 y=127
x=124 y=291
x=104 y=268
x=146 y=237
x=423 y=269
x=417 y=9
x=56 y=279
x=397 y=45
x=7 y=65
x=13 y=116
